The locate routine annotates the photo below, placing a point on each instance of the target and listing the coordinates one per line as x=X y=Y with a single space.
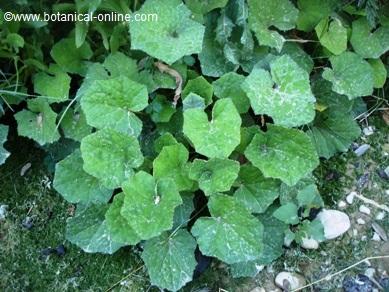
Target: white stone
x=3 y=211
x=350 y=197
x=361 y=149
x=380 y=215
x=335 y=223
x=355 y=232
x=376 y=237
x=360 y=221
x=363 y=238
x=295 y=280
x=368 y=131
x=364 y=209
x=310 y=243
x=342 y=204
x=370 y=272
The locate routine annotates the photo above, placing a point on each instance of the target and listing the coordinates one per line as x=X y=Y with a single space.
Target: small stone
x=25 y=168
x=363 y=238
x=309 y=243
x=350 y=197
x=361 y=149
x=360 y=221
x=364 y=209
x=376 y=237
x=27 y=223
x=370 y=272
x=335 y=223
x=380 y=216
x=3 y=211
x=289 y=281
x=368 y=131
x=387 y=171
x=360 y=283
x=342 y=204
x=355 y=232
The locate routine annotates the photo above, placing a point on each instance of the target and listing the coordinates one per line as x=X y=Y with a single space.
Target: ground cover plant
x=196 y=134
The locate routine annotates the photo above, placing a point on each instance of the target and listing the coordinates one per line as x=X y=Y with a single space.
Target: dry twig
x=166 y=69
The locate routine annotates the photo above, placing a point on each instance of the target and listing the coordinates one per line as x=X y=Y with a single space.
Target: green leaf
x=289 y=193
x=149 y=204
x=366 y=43
x=263 y=14
x=215 y=138
x=203 y=7
x=256 y=192
x=170 y=259
x=15 y=40
x=183 y=212
x=88 y=230
x=350 y=75
x=53 y=85
x=215 y=175
x=309 y=197
x=69 y=57
x=39 y=122
x=310 y=229
x=332 y=35
x=75 y=185
x=311 y=12
x=379 y=72
x=4 y=154
x=74 y=124
x=118 y=226
x=165 y=139
x=199 y=86
x=285 y=95
x=193 y=101
x=298 y=55
x=287 y=154
x=229 y=86
x=172 y=37
x=111 y=156
x=232 y=234
x=172 y=162
x=160 y=109
x=111 y=104
x=287 y=213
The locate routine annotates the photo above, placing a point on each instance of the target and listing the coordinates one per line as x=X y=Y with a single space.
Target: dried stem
x=374 y=203
x=166 y=69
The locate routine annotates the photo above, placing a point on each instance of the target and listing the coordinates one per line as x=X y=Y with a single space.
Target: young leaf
x=111 y=104
x=88 y=230
x=39 y=122
x=119 y=228
x=74 y=124
x=75 y=185
x=379 y=72
x=110 y=156
x=215 y=175
x=287 y=154
x=232 y=234
x=256 y=192
x=229 y=86
x=369 y=44
x=285 y=95
x=350 y=75
x=172 y=37
x=332 y=35
x=3 y=138
x=215 y=138
x=201 y=87
x=149 y=204
x=287 y=213
x=193 y=101
x=170 y=259
x=172 y=162
x=160 y=109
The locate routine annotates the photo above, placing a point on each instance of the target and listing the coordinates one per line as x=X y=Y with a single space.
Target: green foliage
x=222 y=106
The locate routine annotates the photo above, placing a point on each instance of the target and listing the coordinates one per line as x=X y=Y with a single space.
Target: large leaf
x=264 y=14
x=366 y=43
x=232 y=234
x=77 y=186
x=172 y=37
x=215 y=175
x=118 y=226
x=39 y=122
x=88 y=230
x=149 y=204
x=350 y=75
x=172 y=163
x=111 y=156
x=3 y=138
x=170 y=260
x=111 y=103
x=332 y=35
x=256 y=192
x=285 y=95
x=229 y=86
x=287 y=154
x=311 y=12
x=215 y=138
x=301 y=58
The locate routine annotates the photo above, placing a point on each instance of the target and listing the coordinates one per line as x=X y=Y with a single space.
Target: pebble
x=360 y=221
x=3 y=211
x=342 y=204
x=335 y=223
x=360 y=283
x=364 y=209
x=293 y=280
x=387 y=171
x=370 y=272
x=361 y=149
x=25 y=168
x=350 y=197
x=355 y=232
x=362 y=180
x=380 y=216
x=368 y=131
x=376 y=237
x=27 y=223
x=309 y=243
